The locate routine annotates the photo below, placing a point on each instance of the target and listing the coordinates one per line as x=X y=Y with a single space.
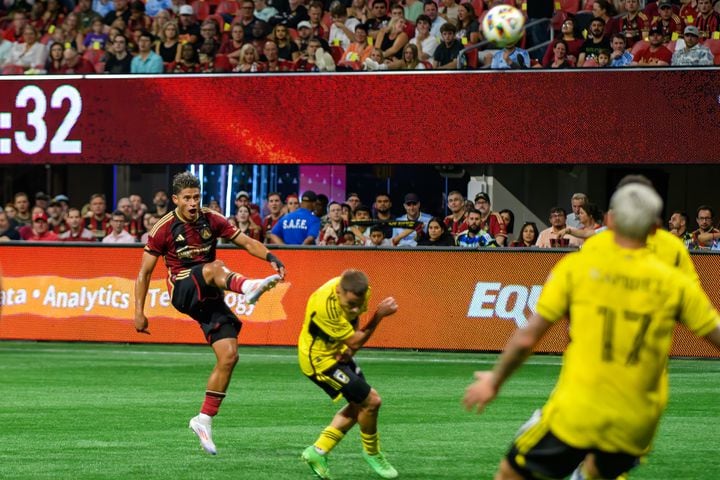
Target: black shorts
x=344 y=379
x=204 y=304
x=550 y=457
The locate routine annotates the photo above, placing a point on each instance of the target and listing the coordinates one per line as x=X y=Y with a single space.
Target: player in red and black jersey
x=186 y=238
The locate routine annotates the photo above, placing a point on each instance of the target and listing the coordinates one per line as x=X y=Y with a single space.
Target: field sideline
x=115 y=411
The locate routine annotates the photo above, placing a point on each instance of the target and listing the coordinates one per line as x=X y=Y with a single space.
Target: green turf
x=86 y=411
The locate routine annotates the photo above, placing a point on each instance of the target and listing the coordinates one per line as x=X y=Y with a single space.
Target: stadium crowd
x=310 y=219
x=244 y=36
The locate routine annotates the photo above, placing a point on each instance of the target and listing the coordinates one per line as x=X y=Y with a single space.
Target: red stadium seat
x=227 y=6
x=671 y=45
x=219 y=20
x=93 y=56
x=337 y=53
x=714 y=46
x=201 y=9
x=639 y=45
x=588 y=4
x=479 y=6
x=569 y=6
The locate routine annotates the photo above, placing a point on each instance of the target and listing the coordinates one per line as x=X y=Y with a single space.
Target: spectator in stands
x=473 y=236
x=316 y=11
x=300 y=227
x=708 y=20
x=248 y=60
x=606 y=10
x=490 y=222
x=360 y=10
x=287 y=49
x=392 y=38
x=103 y=8
x=508 y=218
x=559 y=58
x=362 y=214
x=677 y=225
x=263 y=11
x=595 y=42
x=272 y=62
x=315 y=59
x=448 y=10
x=134 y=226
x=292 y=16
x=438 y=235
x=40 y=231
x=635 y=25
x=118 y=60
x=572 y=41
x=7 y=231
x=551 y=237
x=17 y=28
x=590 y=218
x=509 y=57
x=243 y=198
x=41 y=200
x=655 y=54
x=56 y=218
x=23 y=215
x=692 y=53
x=688 y=11
x=376 y=238
x=210 y=62
x=619 y=57
x=138 y=21
x=342 y=30
x=146 y=61
x=188 y=27
x=528 y=236
x=189 y=61
x=705 y=234
x=160 y=202
x=75 y=63
x=378 y=19
x=152 y=219
x=353 y=199
x=95 y=38
x=426 y=43
x=98 y=220
x=668 y=23
x=333 y=233
x=169 y=45
x=11 y=212
x=54 y=64
x=117 y=233
x=376 y=60
x=445 y=57
x=231 y=46
x=29 y=54
x=358 y=51
x=413 y=9
x=64 y=202
x=383 y=212
x=412 y=213
x=456 y=220
x=346 y=212
x=274 y=206
x=76 y=231
x=576 y=201
x=139 y=209
x=243 y=222
x=430 y=9
x=409 y=61
x=397 y=11
x=121 y=10
x=155 y=8
x=292 y=203
x=467 y=23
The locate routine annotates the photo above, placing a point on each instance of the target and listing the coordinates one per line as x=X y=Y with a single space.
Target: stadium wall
x=570 y=116
x=449 y=300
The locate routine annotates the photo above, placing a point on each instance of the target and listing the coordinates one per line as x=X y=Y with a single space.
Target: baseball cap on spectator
x=42 y=196
x=304 y=24
x=412 y=198
x=242 y=193
x=40 y=216
x=185 y=10
x=692 y=30
x=482 y=195
x=664 y=3
x=309 y=196
x=61 y=198
x=656 y=31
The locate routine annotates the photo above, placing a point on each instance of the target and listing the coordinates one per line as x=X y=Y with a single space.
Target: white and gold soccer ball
x=503 y=25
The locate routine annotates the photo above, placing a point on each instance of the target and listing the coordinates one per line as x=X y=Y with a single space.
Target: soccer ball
x=503 y=25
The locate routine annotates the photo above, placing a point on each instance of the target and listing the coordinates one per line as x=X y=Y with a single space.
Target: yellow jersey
x=622 y=305
x=668 y=248
x=325 y=328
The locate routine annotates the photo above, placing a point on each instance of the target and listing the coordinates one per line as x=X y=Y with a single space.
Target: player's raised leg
x=218 y=275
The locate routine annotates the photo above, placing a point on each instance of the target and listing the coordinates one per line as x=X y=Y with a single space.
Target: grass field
x=92 y=411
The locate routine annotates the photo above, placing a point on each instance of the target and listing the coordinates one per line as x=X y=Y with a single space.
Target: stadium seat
x=569 y=6
x=201 y=9
x=229 y=7
x=639 y=45
x=337 y=53
x=94 y=56
x=293 y=33
x=479 y=6
x=714 y=46
x=588 y=5
x=558 y=18
x=671 y=45
x=220 y=22
x=99 y=67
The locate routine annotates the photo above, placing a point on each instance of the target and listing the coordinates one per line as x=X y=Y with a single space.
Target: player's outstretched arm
x=714 y=336
x=384 y=309
x=257 y=249
x=142 y=283
x=519 y=347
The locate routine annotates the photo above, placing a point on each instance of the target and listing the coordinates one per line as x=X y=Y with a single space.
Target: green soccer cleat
x=318 y=463
x=380 y=464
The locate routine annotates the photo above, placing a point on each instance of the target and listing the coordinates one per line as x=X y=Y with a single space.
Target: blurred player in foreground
x=329 y=338
x=622 y=302
x=187 y=238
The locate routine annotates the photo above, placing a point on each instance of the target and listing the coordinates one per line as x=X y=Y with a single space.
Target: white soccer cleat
x=204 y=433
x=253 y=289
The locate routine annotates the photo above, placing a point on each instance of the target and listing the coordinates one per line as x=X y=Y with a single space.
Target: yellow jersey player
x=329 y=338
x=622 y=302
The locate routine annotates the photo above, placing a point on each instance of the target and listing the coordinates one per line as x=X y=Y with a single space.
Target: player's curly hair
x=184 y=180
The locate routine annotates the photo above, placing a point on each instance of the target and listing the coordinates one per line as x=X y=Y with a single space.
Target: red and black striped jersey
x=184 y=244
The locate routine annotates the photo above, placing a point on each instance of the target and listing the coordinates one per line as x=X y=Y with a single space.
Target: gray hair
x=635 y=210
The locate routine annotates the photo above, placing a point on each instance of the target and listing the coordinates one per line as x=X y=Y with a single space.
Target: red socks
x=212 y=402
x=234 y=282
